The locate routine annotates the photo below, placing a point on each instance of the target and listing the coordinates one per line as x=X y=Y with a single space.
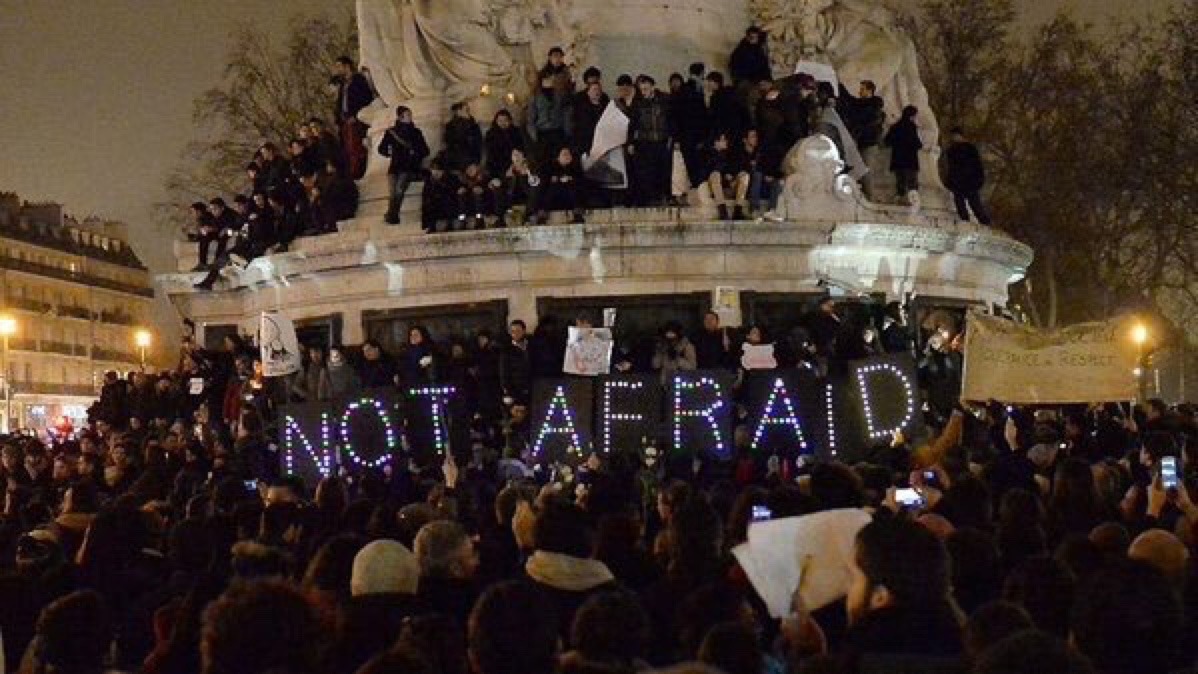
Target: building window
x=29 y=373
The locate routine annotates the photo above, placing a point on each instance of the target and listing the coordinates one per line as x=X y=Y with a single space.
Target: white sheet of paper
x=758 y=357
x=811 y=552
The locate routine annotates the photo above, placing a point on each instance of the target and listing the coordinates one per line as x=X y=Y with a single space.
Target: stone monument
x=429 y=54
x=861 y=40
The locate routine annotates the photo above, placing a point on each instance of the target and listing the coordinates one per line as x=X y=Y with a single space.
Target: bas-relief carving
x=428 y=54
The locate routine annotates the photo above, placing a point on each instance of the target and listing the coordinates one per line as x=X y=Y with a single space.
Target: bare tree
x=1090 y=143
x=265 y=93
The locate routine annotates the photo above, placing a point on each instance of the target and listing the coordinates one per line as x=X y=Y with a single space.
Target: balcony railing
x=114 y=355
x=57 y=347
x=22 y=343
x=115 y=317
x=75 y=312
x=53 y=389
x=28 y=304
x=74 y=277
x=124 y=257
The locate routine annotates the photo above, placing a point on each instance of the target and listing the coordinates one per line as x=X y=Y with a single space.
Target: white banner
x=1013 y=363
x=588 y=352
x=279 y=345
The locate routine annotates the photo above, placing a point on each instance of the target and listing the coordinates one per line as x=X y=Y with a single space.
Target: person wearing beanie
x=383 y=584
x=384 y=567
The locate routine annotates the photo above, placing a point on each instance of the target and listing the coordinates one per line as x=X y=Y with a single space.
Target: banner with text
x=1013 y=363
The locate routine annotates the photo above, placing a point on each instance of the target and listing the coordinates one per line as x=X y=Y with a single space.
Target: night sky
x=98 y=93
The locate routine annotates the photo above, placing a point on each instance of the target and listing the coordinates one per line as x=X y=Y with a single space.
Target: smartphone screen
x=930 y=479
x=762 y=513
x=1169 y=472
x=908 y=499
x=251 y=485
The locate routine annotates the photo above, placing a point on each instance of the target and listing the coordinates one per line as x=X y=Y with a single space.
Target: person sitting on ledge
x=340 y=193
x=218 y=227
x=475 y=202
x=439 y=201
x=727 y=173
x=519 y=187
x=503 y=137
x=563 y=188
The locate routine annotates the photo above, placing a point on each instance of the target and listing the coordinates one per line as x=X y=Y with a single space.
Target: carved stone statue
x=862 y=40
x=814 y=181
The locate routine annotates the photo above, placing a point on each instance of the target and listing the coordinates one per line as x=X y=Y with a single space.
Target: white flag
x=279 y=345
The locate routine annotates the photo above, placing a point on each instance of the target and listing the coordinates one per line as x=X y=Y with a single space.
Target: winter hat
x=384 y=567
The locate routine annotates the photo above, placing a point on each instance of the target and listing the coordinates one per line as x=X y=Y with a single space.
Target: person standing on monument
x=548 y=120
x=965 y=176
x=649 y=132
x=904 y=142
x=865 y=116
x=353 y=94
x=404 y=144
x=749 y=62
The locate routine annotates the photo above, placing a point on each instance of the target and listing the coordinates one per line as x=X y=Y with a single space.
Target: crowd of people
x=303 y=191
x=730 y=135
x=165 y=538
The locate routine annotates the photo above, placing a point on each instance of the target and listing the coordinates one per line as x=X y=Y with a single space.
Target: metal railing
x=74 y=277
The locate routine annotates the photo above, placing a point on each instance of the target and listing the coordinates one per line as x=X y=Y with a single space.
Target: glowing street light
x=143 y=339
x=1139 y=334
x=8 y=328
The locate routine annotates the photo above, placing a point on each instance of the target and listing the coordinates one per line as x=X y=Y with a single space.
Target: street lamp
x=1139 y=335
x=143 y=338
x=8 y=328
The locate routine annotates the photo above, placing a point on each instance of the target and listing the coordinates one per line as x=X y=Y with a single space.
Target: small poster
x=588 y=352
x=279 y=345
x=727 y=306
x=758 y=357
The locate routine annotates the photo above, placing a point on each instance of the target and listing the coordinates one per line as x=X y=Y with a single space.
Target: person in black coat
x=463 y=139
x=340 y=193
x=965 y=176
x=649 y=134
x=439 y=202
x=515 y=365
x=749 y=62
x=713 y=348
x=503 y=137
x=688 y=119
x=563 y=185
x=865 y=117
x=353 y=93
x=904 y=142
x=405 y=145
x=378 y=370
x=587 y=110
x=726 y=112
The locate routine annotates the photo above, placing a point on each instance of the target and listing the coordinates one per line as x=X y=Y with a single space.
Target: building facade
x=77 y=293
